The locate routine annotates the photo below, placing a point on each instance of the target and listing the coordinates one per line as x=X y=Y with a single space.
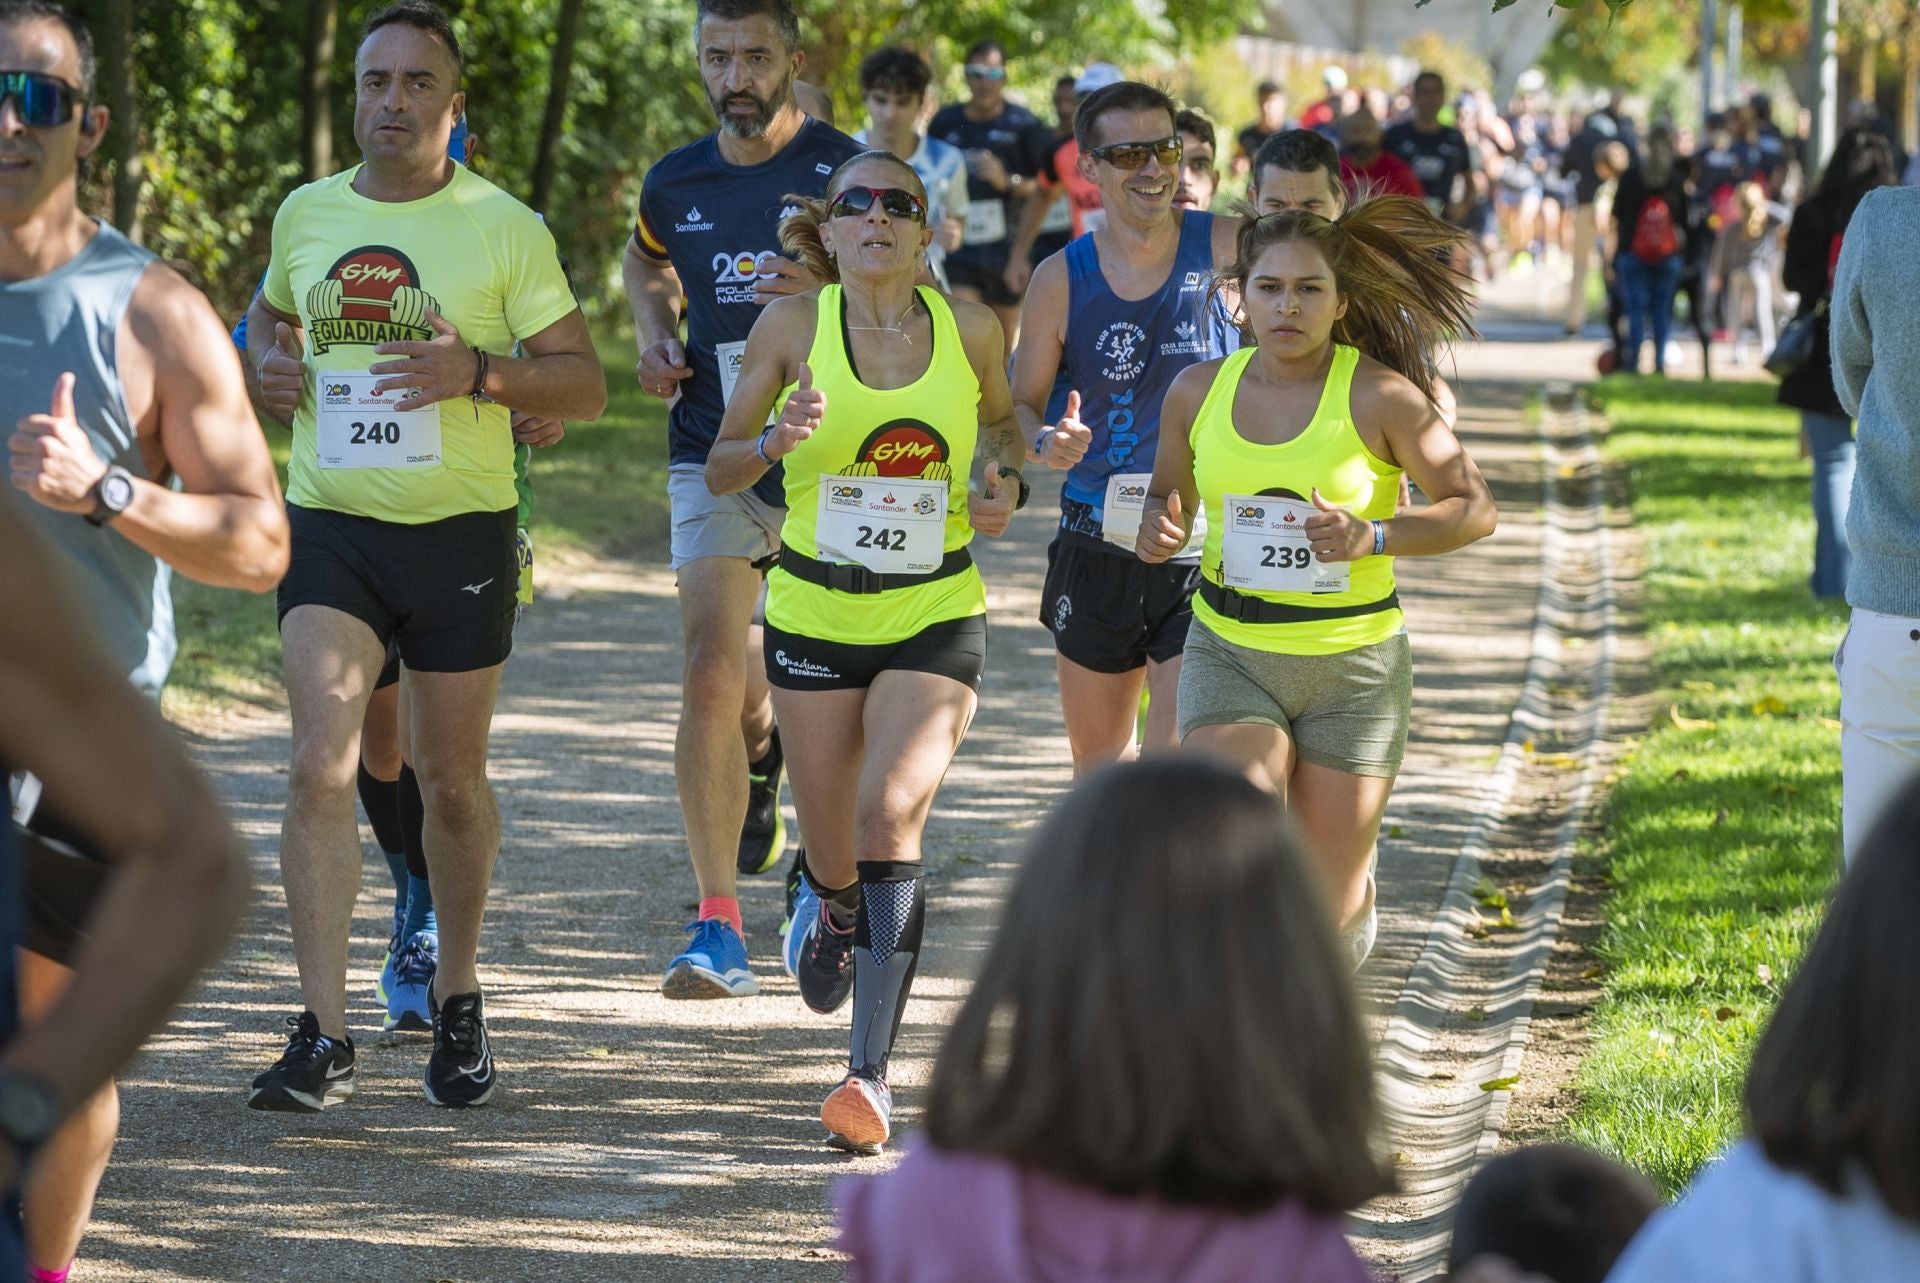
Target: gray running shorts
x=710 y=525
x=1346 y=712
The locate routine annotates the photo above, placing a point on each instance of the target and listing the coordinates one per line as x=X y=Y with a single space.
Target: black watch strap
x=112 y=494
x=1020 y=499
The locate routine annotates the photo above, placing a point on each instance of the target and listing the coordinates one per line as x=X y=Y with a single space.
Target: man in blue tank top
x=708 y=233
x=134 y=451
x=1121 y=311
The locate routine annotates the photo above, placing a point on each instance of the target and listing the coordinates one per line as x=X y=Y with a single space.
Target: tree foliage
x=220 y=89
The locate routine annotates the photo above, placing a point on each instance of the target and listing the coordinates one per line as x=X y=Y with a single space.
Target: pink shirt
x=961 y=1218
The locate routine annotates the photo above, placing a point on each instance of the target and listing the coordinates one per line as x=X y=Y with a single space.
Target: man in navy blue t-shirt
x=708 y=231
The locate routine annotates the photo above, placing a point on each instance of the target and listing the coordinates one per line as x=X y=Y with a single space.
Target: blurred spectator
x=1745 y=256
x=1142 y=1114
x=1366 y=169
x=1553 y=1212
x=1649 y=230
x=1860 y=163
x=1719 y=168
x=1588 y=171
x=1273 y=118
x=1827 y=1187
x=1769 y=145
x=99 y=753
x=1325 y=114
x=1876 y=371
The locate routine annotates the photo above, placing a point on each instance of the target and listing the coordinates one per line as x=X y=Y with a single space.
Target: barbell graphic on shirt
x=408 y=306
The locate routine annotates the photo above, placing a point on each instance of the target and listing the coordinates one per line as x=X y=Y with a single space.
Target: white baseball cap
x=1098 y=75
x=1334 y=76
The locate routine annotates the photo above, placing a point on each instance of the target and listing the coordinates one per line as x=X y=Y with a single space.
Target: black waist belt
x=858 y=579
x=1246 y=609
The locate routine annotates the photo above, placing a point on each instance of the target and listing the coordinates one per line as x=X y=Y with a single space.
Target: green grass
x=1721 y=830
x=603 y=490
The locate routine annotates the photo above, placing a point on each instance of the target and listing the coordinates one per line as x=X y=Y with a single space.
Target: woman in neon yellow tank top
x=1298 y=665
x=876 y=617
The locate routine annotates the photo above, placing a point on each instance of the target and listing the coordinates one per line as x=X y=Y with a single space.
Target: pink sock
x=37 y=1274
x=723 y=906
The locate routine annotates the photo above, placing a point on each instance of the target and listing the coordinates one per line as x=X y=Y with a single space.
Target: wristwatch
x=30 y=1110
x=112 y=495
x=1021 y=500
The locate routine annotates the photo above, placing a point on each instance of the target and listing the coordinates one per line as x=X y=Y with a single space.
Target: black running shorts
x=443 y=591
x=982 y=268
x=1111 y=612
x=62 y=879
x=389 y=671
x=955 y=648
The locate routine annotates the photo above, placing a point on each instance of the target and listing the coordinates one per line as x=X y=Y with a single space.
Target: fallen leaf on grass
x=599 y=1053
x=966 y=859
x=1725 y=1014
x=1488 y=894
x=1500 y=1084
x=1720 y=817
x=1688 y=723
x=1831 y=723
x=1591 y=973
x=1765 y=973
x=1769 y=706
x=1506 y=922
x=1476 y=931
x=1395 y=831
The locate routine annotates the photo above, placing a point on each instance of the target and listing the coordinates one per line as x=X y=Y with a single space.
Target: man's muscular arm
x=225 y=526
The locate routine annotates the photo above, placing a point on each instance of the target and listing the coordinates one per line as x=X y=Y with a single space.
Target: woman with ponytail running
x=1298 y=668
x=876 y=617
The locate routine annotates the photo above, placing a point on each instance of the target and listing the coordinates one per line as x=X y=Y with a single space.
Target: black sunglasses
x=1134 y=155
x=42 y=100
x=898 y=202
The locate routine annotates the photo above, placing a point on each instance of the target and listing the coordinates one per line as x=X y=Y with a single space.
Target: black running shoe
x=825 y=968
x=460 y=1072
x=312 y=1074
x=764 y=836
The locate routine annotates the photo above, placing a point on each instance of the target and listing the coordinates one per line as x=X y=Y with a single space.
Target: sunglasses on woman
x=1134 y=155
x=898 y=202
x=42 y=100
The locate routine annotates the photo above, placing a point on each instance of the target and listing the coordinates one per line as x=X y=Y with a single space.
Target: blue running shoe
x=407 y=997
x=802 y=916
x=713 y=965
x=384 y=985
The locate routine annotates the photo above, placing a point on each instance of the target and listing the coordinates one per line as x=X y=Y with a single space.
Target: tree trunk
x=546 y=159
x=1866 y=85
x=1910 y=83
x=316 y=123
x=123 y=97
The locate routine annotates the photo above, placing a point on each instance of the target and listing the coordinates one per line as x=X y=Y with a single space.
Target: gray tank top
x=69 y=319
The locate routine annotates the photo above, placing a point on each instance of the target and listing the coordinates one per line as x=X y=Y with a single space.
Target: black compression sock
x=380 y=799
x=773 y=760
x=842 y=902
x=886 y=953
x=413 y=822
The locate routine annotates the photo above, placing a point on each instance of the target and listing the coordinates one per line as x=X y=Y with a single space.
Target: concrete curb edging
x=1449 y=1124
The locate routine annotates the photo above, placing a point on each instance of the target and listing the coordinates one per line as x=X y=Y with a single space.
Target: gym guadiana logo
x=370 y=295
x=910 y=448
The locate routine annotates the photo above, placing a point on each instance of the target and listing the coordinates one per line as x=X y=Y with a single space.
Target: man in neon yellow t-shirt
x=383 y=333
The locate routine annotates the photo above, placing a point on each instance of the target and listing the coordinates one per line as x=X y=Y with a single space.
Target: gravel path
x=638 y=1138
